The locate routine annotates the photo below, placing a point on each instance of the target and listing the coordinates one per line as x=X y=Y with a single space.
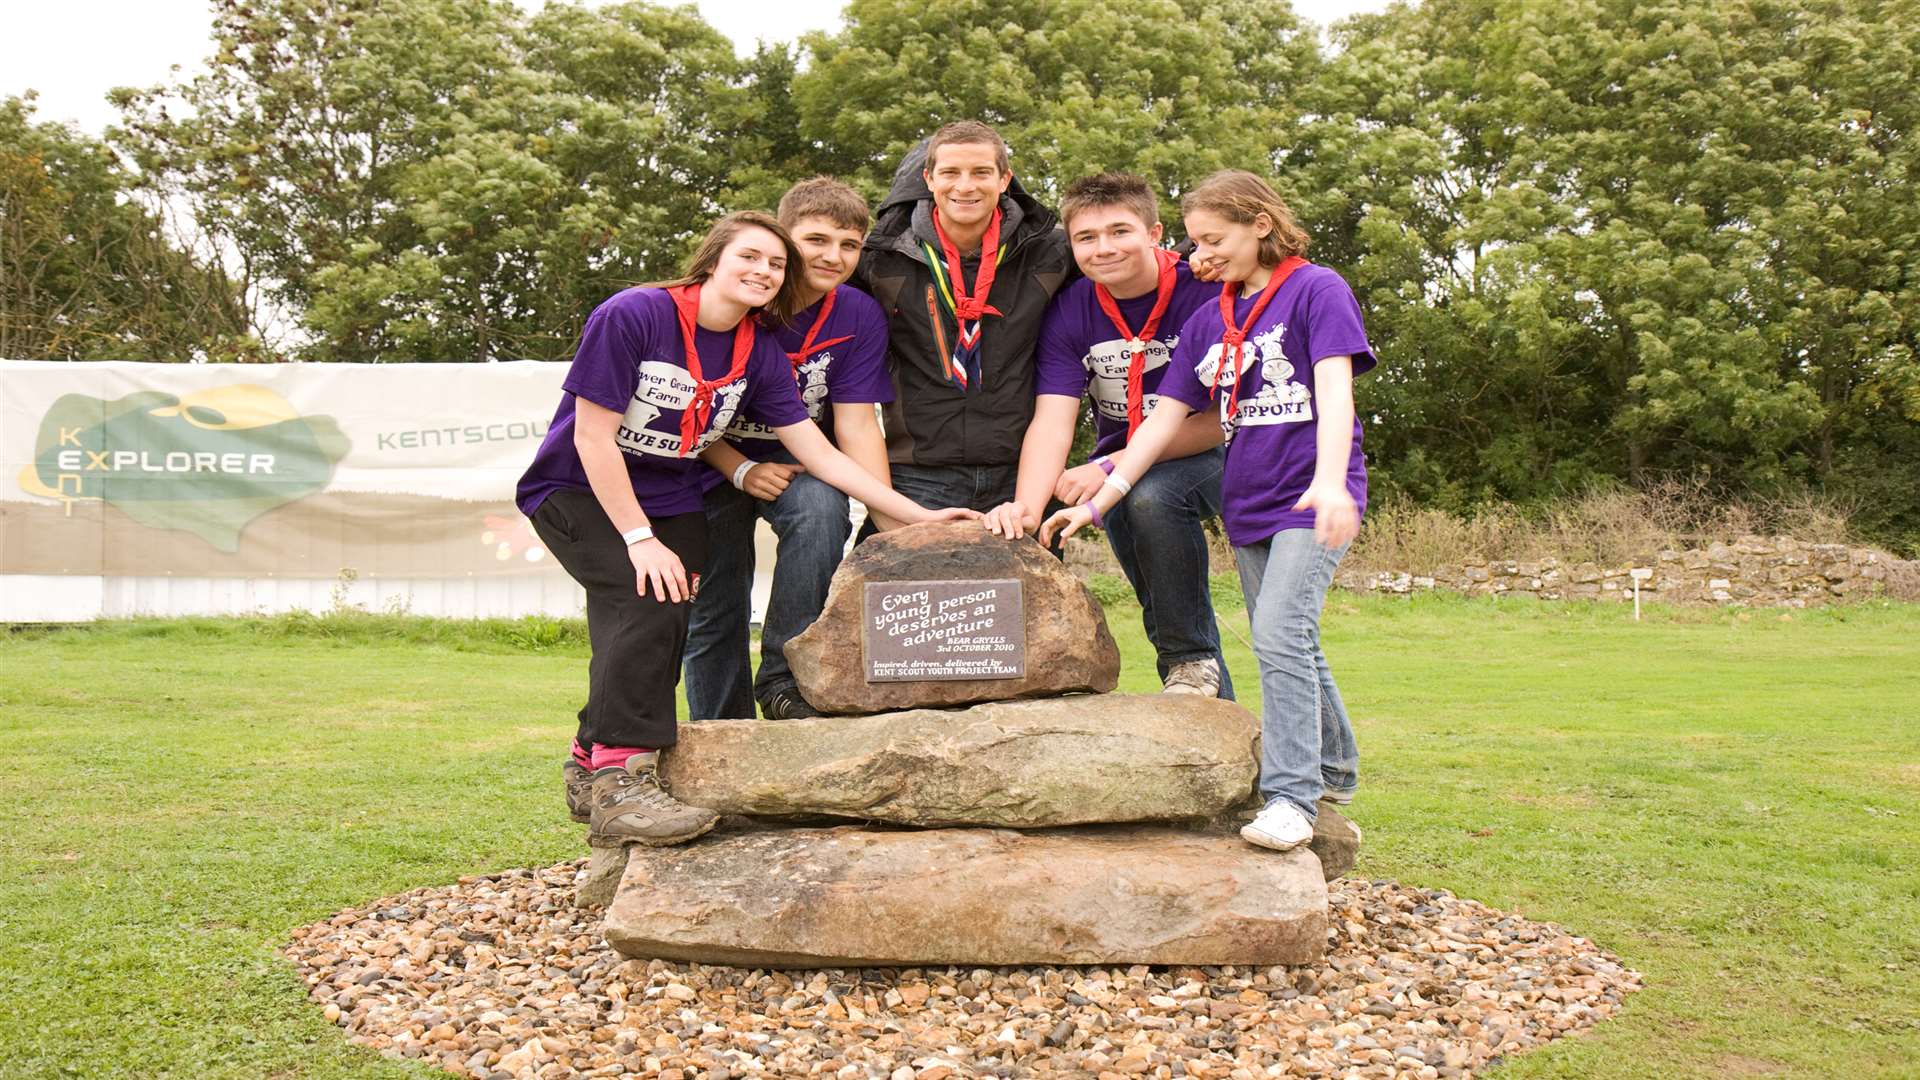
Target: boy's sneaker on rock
x=1342 y=796
x=1280 y=827
x=579 y=784
x=1200 y=676
x=787 y=704
x=630 y=807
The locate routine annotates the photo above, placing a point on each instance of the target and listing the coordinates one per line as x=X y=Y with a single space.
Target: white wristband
x=634 y=536
x=740 y=473
x=1117 y=483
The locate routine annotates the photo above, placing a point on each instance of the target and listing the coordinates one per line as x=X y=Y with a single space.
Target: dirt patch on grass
x=1745 y=1065
x=1907 y=776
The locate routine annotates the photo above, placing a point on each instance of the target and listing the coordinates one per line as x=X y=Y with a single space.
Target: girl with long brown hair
x=615 y=492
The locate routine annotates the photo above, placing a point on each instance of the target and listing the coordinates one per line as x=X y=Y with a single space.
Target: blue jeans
x=1157 y=534
x=976 y=487
x=811 y=523
x=1306 y=741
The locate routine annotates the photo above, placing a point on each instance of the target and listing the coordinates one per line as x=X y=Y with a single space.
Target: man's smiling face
x=967 y=183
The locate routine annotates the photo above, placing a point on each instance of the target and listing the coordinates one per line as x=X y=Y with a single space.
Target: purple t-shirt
x=852 y=372
x=631 y=360
x=1080 y=346
x=1270 y=437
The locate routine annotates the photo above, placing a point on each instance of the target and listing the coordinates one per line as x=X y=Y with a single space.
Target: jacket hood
x=893 y=223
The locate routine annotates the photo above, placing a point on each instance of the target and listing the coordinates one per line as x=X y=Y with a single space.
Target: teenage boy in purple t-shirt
x=1112 y=332
x=1274 y=359
x=837 y=347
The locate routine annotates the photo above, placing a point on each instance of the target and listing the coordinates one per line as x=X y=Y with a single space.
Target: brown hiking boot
x=579 y=784
x=1200 y=677
x=630 y=807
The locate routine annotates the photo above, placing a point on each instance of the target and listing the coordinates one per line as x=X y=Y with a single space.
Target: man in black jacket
x=964 y=263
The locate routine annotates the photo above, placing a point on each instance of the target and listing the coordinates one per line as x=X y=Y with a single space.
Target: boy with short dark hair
x=837 y=345
x=1110 y=335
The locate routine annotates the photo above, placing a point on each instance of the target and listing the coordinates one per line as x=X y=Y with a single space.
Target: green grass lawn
x=1729 y=802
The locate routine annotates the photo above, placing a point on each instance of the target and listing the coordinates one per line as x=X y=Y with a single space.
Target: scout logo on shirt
x=1107 y=361
x=662 y=387
x=813 y=383
x=207 y=463
x=1280 y=400
x=812 y=376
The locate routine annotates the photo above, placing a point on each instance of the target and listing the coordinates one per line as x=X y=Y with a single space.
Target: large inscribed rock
x=1068 y=647
x=1014 y=764
x=855 y=897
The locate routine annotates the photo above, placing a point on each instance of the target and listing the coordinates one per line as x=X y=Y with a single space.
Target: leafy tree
x=1628 y=238
x=86 y=274
x=1402 y=175
x=444 y=179
x=1170 y=89
x=763 y=134
x=1606 y=239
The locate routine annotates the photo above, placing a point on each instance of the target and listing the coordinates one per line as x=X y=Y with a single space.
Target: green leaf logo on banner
x=207 y=463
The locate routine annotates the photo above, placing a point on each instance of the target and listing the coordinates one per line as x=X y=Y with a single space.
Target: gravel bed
x=499 y=976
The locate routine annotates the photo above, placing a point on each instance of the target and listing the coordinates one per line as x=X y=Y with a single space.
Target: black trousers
x=638 y=641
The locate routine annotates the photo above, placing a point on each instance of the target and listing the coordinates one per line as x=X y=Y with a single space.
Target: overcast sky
x=74 y=51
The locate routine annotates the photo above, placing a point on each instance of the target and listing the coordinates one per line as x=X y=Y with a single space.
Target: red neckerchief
x=693 y=419
x=1234 y=339
x=807 y=346
x=1137 y=343
x=971 y=308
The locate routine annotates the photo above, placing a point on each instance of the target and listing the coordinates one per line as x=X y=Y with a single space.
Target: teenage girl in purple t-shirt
x=615 y=493
x=1276 y=356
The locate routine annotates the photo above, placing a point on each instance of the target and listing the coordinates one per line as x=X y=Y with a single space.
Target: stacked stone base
x=1094 y=828
x=1048 y=850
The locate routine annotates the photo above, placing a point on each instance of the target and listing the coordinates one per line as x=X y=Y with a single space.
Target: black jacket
x=931 y=421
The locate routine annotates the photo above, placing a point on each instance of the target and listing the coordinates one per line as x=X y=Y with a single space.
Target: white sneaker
x=1280 y=827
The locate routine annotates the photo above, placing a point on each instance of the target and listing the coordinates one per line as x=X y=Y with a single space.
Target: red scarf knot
x=699 y=411
x=972 y=306
x=1137 y=343
x=1233 y=338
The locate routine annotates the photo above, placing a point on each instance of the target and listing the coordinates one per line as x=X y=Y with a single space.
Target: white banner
x=296 y=470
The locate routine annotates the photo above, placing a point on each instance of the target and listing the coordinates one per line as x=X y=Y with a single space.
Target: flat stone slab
x=1016 y=764
x=1068 y=646
x=1336 y=841
x=858 y=897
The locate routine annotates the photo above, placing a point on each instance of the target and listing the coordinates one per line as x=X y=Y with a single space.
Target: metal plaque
x=925 y=630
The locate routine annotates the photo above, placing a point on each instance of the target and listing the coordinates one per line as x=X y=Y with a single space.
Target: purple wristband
x=1098 y=522
x=1105 y=463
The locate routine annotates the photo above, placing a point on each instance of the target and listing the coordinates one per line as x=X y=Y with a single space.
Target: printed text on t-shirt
x=1279 y=400
x=662 y=386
